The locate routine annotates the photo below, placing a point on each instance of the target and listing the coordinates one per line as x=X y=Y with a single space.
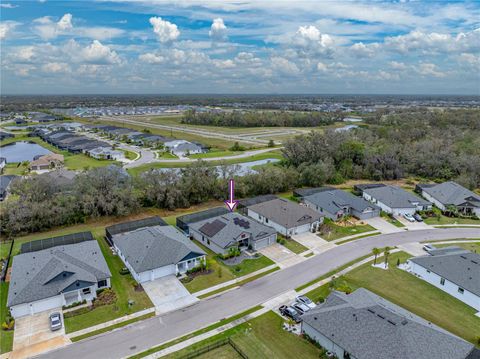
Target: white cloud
x=165 y=30
x=6 y=28
x=96 y=53
x=284 y=66
x=322 y=67
x=65 y=23
x=48 y=29
x=100 y=32
x=150 y=58
x=218 y=30
x=224 y=64
x=428 y=69
x=56 y=67
x=311 y=42
x=398 y=65
x=8 y=6
x=360 y=50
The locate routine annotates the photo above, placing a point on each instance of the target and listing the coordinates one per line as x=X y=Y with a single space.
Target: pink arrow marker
x=231 y=203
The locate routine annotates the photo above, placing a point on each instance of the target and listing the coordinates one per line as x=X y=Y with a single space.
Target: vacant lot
x=338 y=231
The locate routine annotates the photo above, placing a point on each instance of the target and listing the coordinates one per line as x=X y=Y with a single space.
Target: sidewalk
x=355 y=236
x=233 y=281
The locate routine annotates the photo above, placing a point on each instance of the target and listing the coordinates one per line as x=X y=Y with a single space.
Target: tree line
x=261 y=118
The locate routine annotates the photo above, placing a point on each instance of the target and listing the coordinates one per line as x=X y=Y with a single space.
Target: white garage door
x=47 y=304
x=302 y=229
x=402 y=211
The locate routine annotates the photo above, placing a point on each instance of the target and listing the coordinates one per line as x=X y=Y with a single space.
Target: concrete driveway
x=382 y=225
x=168 y=294
x=313 y=242
x=281 y=255
x=32 y=335
x=413 y=225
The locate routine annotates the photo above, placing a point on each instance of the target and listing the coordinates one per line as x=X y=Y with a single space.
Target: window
x=266 y=220
x=208 y=241
x=86 y=291
x=460 y=290
x=428 y=271
x=203 y=238
x=102 y=283
x=442 y=281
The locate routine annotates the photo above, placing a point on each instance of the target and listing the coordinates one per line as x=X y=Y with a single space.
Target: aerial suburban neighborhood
x=239 y=179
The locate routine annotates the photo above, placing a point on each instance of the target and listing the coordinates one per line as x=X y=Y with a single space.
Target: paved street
x=143 y=335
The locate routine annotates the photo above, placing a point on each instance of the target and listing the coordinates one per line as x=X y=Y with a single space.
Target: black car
x=290 y=313
x=418 y=217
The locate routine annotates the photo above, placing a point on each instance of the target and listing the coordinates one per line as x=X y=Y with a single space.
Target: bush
x=76 y=304
x=107 y=296
x=76 y=312
x=124 y=271
x=236 y=147
x=9 y=322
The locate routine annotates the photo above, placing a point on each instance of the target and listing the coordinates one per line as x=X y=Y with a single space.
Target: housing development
x=239 y=179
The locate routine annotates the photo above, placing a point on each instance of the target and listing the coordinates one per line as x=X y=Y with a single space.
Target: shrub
x=107 y=296
x=124 y=271
x=76 y=304
x=76 y=312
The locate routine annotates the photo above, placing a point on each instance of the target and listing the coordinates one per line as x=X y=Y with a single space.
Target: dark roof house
x=133 y=225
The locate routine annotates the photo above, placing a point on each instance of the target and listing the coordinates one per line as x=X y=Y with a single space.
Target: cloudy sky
x=206 y=46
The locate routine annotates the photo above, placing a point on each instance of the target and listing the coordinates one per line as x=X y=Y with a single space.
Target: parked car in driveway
x=418 y=217
x=428 y=247
x=408 y=217
x=55 y=321
x=300 y=307
x=289 y=312
x=305 y=300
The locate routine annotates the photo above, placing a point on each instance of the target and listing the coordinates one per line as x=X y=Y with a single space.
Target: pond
x=22 y=151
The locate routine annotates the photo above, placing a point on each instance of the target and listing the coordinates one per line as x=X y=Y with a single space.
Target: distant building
x=47 y=162
x=363 y=325
x=182 y=148
x=287 y=217
x=456 y=272
x=106 y=153
x=222 y=232
x=392 y=199
x=450 y=193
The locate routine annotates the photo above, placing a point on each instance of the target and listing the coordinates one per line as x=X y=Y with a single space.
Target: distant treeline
x=261 y=118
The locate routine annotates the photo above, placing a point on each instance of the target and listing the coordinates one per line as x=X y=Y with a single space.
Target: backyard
x=221 y=272
x=401 y=287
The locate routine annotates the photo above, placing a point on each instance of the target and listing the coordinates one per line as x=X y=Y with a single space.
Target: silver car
x=55 y=321
x=300 y=308
x=305 y=300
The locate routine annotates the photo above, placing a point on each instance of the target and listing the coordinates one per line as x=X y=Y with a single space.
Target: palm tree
x=375 y=252
x=386 y=253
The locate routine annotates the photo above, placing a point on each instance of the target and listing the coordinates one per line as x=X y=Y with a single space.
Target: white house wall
x=22 y=310
x=467 y=297
x=279 y=228
x=429 y=198
x=385 y=208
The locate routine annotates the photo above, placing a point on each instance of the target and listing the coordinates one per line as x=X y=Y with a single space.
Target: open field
x=261 y=337
x=401 y=287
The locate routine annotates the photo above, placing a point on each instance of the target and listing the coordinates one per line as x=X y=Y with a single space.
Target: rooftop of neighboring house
x=135 y=224
x=49 y=272
x=395 y=197
x=451 y=193
x=286 y=213
x=368 y=326
x=459 y=267
x=226 y=229
x=333 y=200
x=45 y=160
x=153 y=247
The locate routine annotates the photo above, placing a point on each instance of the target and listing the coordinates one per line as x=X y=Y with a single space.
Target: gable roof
x=370 y=327
x=452 y=193
x=286 y=213
x=226 y=229
x=154 y=247
x=463 y=269
x=39 y=275
x=334 y=200
x=395 y=197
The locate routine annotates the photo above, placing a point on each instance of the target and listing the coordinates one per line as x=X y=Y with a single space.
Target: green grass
x=123 y=285
x=130 y=155
x=262 y=337
x=309 y=255
x=223 y=273
x=429 y=302
x=5 y=248
x=474 y=247
x=166 y=155
x=198 y=332
x=216 y=153
x=341 y=231
x=112 y=327
x=292 y=245
x=17 y=169
x=238 y=284
x=391 y=220
x=359 y=237
x=6 y=337
x=441 y=219
x=257 y=157
x=223 y=352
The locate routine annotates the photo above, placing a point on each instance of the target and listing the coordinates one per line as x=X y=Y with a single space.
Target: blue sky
x=214 y=46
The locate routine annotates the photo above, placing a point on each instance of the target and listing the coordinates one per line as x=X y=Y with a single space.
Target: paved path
x=151 y=332
x=383 y=226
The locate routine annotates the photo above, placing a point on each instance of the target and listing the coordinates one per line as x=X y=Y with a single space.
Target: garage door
x=302 y=229
x=264 y=242
x=47 y=304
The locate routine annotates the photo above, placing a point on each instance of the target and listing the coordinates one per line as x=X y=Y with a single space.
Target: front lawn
x=338 y=231
x=413 y=294
x=261 y=337
x=291 y=244
x=123 y=285
x=440 y=219
x=392 y=220
x=215 y=153
x=6 y=337
x=474 y=246
x=221 y=272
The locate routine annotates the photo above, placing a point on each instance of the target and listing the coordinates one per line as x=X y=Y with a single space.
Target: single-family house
x=393 y=199
x=5 y=182
x=129 y=226
x=456 y=272
x=47 y=162
x=56 y=275
x=444 y=195
x=363 y=325
x=335 y=204
x=220 y=233
x=243 y=204
x=154 y=252
x=184 y=222
x=106 y=153
x=182 y=148
x=287 y=217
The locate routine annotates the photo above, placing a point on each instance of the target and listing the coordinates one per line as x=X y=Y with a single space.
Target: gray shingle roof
x=32 y=272
x=154 y=247
x=286 y=213
x=452 y=193
x=370 y=327
x=395 y=197
x=463 y=269
x=334 y=200
x=234 y=225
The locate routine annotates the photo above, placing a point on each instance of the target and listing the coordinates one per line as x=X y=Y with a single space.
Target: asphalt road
x=146 y=334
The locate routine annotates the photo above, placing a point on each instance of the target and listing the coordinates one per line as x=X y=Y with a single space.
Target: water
x=22 y=151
